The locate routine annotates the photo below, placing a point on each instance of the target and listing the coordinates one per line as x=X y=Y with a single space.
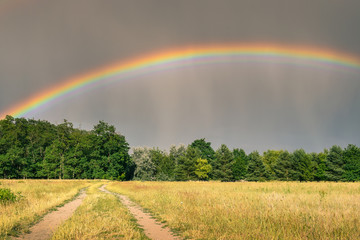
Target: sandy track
x=152 y=228
x=45 y=228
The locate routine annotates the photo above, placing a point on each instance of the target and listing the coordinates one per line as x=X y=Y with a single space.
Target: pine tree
x=256 y=169
x=224 y=161
x=186 y=165
x=270 y=158
x=240 y=165
x=302 y=168
x=320 y=162
x=351 y=157
x=206 y=151
x=335 y=164
x=283 y=166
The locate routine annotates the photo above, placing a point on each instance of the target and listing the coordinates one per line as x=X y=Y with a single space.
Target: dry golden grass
x=271 y=210
x=40 y=196
x=101 y=216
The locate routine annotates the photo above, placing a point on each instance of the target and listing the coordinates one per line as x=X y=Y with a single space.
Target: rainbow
x=180 y=57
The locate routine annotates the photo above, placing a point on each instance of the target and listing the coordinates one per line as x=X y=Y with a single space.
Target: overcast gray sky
x=255 y=105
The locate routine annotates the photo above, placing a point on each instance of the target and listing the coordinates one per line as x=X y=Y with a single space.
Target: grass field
x=196 y=210
x=40 y=197
x=271 y=210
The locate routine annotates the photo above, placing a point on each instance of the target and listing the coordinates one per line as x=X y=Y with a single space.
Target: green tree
x=302 y=167
x=12 y=163
x=319 y=161
x=270 y=158
x=164 y=165
x=351 y=156
x=334 y=164
x=186 y=165
x=239 y=168
x=52 y=166
x=202 y=169
x=256 y=169
x=206 y=151
x=224 y=164
x=112 y=153
x=7 y=134
x=283 y=166
x=77 y=155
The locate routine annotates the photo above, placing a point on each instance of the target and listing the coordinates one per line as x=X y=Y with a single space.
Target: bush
x=7 y=196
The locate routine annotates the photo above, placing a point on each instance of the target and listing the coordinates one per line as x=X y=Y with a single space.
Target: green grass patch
x=7 y=196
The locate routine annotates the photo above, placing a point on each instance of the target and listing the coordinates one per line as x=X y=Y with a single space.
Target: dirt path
x=152 y=228
x=45 y=228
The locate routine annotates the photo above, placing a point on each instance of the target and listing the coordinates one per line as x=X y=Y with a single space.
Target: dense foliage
x=199 y=161
x=39 y=149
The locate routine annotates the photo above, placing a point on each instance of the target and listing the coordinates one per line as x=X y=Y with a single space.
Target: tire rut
x=152 y=228
x=45 y=228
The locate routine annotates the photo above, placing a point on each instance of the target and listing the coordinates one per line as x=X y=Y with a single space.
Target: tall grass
x=270 y=210
x=101 y=216
x=38 y=198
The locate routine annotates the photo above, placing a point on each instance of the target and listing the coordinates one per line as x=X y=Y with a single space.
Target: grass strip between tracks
x=101 y=216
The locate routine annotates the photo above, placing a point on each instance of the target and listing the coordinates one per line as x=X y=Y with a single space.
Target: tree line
x=199 y=161
x=38 y=149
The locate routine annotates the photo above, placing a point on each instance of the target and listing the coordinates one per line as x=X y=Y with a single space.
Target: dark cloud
x=255 y=105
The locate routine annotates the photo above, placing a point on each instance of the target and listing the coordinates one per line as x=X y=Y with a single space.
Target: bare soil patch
x=45 y=228
x=152 y=228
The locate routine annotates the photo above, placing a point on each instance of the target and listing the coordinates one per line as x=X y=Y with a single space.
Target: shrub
x=7 y=196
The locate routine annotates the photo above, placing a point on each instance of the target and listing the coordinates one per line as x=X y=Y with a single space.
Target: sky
x=254 y=105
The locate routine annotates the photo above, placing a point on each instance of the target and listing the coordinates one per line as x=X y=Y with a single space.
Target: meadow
x=251 y=210
x=194 y=210
x=38 y=198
